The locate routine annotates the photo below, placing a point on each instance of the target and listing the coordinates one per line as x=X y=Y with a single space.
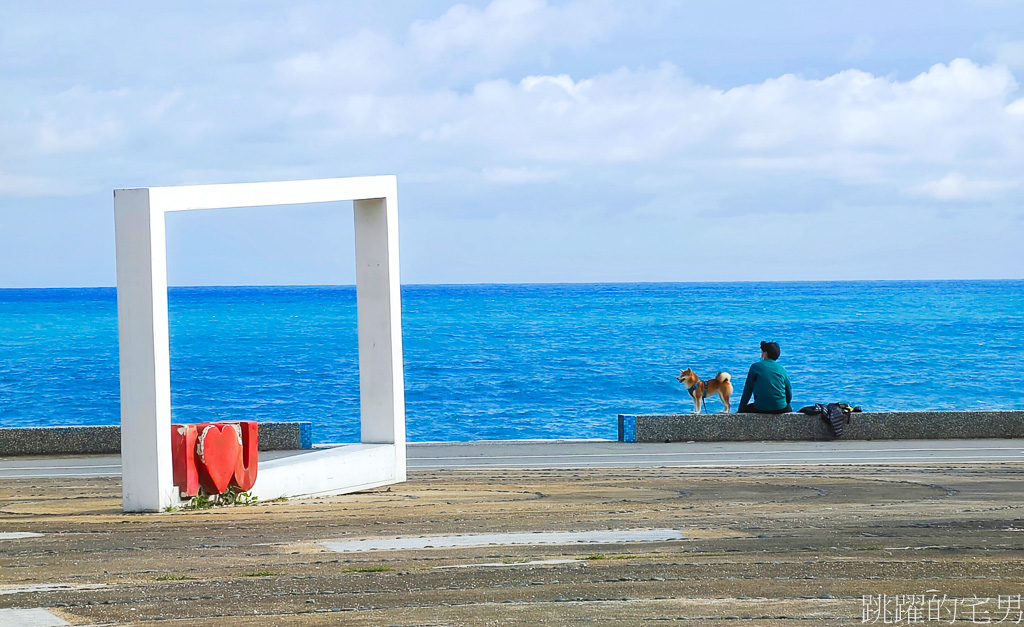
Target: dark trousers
x=750 y=409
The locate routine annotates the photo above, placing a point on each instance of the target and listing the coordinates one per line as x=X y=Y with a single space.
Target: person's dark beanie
x=771 y=349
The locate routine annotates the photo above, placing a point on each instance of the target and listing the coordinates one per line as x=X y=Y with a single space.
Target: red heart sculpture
x=218 y=448
x=183 y=464
x=245 y=469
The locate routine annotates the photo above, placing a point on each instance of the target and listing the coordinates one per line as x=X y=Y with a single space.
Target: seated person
x=768 y=382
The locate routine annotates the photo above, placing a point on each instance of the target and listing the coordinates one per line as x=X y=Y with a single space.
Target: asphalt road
x=555 y=454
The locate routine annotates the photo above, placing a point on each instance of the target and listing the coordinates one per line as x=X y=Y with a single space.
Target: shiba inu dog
x=700 y=390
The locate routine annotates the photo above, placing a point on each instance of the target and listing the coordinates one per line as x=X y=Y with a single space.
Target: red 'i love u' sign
x=214 y=456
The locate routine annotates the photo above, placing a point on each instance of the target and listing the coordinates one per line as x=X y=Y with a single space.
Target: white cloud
x=464 y=42
x=364 y=61
x=1009 y=53
x=14 y=185
x=491 y=37
x=75 y=120
x=955 y=186
x=388 y=102
x=853 y=128
x=849 y=125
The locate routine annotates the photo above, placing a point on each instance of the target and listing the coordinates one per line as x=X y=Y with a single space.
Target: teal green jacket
x=768 y=382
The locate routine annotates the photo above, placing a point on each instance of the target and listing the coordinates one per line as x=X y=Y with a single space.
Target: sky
x=533 y=140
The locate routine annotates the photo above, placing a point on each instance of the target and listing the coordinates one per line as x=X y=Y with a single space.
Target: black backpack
x=835 y=415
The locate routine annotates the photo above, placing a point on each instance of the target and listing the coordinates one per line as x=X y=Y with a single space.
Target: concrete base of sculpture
x=337 y=470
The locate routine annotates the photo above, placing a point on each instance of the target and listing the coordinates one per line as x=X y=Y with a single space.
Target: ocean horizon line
x=550 y=283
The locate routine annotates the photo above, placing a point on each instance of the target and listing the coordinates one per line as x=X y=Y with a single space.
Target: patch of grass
x=261 y=573
x=206 y=501
x=596 y=556
x=173 y=578
x=199 y=501
x=170 y=508
x=234 y=497
x=634 y=556
x=369 y=569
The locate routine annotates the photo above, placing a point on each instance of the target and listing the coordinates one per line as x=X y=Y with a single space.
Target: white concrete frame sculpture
x=145 y=353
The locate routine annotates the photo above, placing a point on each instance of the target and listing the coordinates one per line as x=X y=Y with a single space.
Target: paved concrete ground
x=764 y=544
x=605 y=454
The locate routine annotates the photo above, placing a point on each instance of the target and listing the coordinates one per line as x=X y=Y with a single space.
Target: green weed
x=231 y=497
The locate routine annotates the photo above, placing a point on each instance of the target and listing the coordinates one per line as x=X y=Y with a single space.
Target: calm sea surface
x=521 y=361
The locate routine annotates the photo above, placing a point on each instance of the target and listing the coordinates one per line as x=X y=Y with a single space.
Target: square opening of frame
x=243 y=346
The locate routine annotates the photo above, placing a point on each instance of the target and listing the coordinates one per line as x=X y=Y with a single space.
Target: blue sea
x=521 y=361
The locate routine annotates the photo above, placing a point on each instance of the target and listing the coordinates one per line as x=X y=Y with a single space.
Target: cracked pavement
x=772 y=546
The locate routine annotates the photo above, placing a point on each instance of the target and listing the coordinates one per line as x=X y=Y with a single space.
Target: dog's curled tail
x=723 y=377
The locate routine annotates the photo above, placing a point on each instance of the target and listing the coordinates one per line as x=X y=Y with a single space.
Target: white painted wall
x=145 y=354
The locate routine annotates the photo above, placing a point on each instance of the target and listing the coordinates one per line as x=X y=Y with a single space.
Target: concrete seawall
x=863 y=426
x=106 y=439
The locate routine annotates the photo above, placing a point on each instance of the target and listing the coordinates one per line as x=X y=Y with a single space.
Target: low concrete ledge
x=106 y=439
x=924 y=425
